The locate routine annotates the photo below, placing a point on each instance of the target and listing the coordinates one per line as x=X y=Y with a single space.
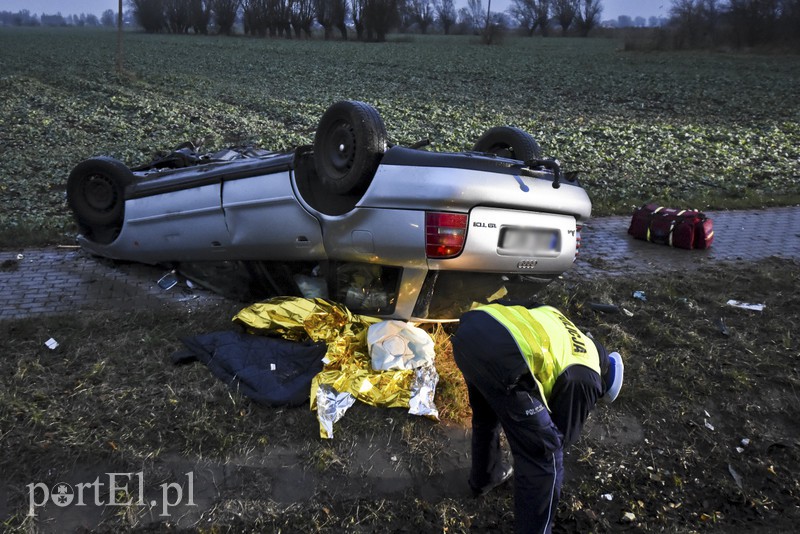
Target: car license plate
x=529 y=241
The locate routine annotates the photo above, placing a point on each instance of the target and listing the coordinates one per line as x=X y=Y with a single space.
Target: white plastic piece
x=395 y=345
x=746 y=305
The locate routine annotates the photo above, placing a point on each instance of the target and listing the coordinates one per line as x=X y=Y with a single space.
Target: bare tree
x=149 y=14
x=357 y=14
x=339 y=16
x=524 y=13
x=178 y=15
x=565 y=12
x=324 y=12
x=476 y=15
x=380 y=16
x=255 y=17
x=588 y=16
x=200 y=14
x=531 y=15
x=107 y=18
x=445 y=14
x=224 y=14
x=332 y=14
x=422 y=12
x=754 y=21
x=688 y=17
x=542 y=12
x=302 y=17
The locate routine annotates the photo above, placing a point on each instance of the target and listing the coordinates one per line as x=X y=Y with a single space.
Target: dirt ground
x=705 y=436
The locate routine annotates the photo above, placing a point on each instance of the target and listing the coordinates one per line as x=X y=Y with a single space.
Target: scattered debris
x=687 y=302
x=168 y=281
x=736 y=476
x=20 y=257
x=722 y=327
x=627 y=312
x=607 y=496
x=331 y=406
x=746 y=305
x=640 y=295
x=9 y=265
x=604 y=308
x=745 y=442
x=708 y=425
x=51 y=344
x=628 y=517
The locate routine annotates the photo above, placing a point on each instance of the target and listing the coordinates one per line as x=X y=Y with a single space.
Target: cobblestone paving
x=63 y=280
x=739 y=236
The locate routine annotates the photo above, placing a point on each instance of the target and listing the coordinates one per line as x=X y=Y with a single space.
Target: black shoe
x=507 y=472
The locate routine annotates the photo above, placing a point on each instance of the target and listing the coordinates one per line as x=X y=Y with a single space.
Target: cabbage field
x=711 y=130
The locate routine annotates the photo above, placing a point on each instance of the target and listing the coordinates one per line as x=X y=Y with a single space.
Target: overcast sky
x=612 y=8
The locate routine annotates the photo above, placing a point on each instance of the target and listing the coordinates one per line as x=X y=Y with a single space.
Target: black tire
x=348 y=147
x=96 y=192
x=509 y=142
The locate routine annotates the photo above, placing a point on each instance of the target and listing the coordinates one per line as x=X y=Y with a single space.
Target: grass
x=109 y=399
x=701 y=129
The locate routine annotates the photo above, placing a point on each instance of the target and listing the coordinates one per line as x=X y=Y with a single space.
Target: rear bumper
x=486 y=248
x=488 y=269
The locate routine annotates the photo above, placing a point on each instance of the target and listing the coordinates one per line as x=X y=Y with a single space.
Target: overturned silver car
x=386 y=230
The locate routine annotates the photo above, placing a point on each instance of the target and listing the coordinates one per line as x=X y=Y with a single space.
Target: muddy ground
x=705 y=437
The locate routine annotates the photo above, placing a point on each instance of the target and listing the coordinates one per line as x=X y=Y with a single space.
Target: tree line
x=737 y=23
x=26 y=18
x=368 y=20
x=692 y=23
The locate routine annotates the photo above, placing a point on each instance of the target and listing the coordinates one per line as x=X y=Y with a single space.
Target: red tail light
x=578 y=229
x=445 y=234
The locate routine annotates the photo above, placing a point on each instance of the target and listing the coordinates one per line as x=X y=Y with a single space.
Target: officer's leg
x=574 y=395
x=538 y=469
x=486 y=456
x=489 y=359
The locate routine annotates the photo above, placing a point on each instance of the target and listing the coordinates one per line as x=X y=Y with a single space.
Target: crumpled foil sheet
x=348 y=366
x=423 y=390
x=331 y=407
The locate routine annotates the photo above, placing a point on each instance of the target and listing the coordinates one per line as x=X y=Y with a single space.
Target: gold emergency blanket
x=347 y=363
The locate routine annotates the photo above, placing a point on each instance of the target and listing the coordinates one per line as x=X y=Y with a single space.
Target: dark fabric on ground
x=245 y=363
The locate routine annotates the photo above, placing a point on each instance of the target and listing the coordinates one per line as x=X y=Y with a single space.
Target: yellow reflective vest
x=547 y=340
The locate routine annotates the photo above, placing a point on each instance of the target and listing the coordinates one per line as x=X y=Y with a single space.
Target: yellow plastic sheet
x=348 y=367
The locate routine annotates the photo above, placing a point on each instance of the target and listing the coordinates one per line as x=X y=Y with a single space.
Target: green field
x=710 y=130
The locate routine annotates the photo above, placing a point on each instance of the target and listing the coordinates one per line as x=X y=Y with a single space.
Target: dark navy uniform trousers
x=502 y=393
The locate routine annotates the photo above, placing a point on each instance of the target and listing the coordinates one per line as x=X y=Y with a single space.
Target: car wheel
x=96 y=192
x=348 y=146
x=509 y=142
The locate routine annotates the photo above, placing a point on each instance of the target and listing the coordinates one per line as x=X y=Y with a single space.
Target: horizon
x=612 y=9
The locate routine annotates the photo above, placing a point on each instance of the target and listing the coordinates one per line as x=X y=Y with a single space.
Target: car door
x=266 y=222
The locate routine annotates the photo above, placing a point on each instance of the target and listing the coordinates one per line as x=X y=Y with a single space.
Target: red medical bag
x=677 y=228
